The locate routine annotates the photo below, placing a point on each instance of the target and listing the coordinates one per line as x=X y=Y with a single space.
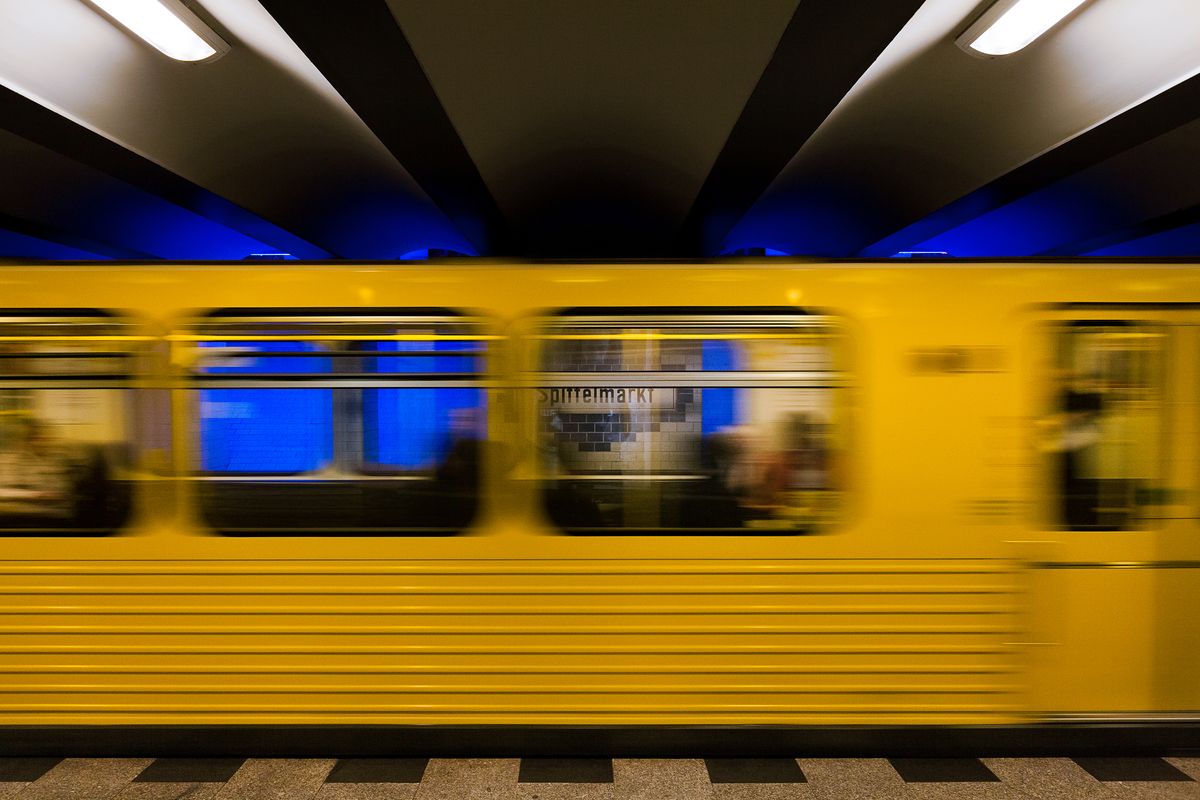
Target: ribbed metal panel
x=508 y=642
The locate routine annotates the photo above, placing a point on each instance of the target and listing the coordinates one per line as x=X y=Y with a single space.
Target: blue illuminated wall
x=267 y=431
x=1040 y=221
x=754 y=252
x=1181 y=241
x=287 y=431
x=413 y=428
x=425 y=253
x=19 y=245
x=719 y=407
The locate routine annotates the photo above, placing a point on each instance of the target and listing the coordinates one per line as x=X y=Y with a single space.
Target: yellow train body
x=942 y=595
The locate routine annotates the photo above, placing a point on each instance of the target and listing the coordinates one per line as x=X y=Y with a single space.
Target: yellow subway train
x=575 y=498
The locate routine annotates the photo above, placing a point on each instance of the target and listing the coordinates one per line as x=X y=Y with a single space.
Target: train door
x=1113 y=578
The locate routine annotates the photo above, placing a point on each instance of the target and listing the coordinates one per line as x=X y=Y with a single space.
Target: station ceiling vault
x=375 y=129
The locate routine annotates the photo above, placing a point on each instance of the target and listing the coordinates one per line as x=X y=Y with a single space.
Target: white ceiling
x=260 y=127
x=574 y=107
x=928 y=123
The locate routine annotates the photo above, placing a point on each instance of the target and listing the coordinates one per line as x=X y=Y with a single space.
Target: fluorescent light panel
x=166 y=25
x=1009 y=26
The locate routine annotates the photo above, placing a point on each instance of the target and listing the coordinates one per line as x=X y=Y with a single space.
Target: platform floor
x=617 y=779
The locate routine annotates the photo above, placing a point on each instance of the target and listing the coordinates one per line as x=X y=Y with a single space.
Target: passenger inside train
x=64 y=458
x=1107 y=430
x=349 y=424
x=35 y=471
x=713 y=423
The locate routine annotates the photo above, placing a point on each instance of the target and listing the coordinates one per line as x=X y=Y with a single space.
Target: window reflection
x=337 y=424
x=1106 y=430
x=64 y=454
x=696 y=424
x=275 y=431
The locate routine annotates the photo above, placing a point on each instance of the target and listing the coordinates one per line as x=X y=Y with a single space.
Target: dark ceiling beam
x=1160 y=114
x=69 y=238
x=825 y=49
x=1135 y=230
x=35 y=123
x=361 y=50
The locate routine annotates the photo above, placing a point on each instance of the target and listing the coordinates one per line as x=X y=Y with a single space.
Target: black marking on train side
x=532 y=264
x=741 y=533
x=681 y=311
x=57 y=533
x=517 y=741
x=957 y=360
x=1097 y=306
x=302 y=314
x=337 y=533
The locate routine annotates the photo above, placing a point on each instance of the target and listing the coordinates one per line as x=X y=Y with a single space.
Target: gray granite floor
x=628 y=779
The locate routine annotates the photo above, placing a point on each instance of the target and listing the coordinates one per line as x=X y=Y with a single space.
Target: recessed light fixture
x=168 y=26
x=1010 y=25
x=922 y=254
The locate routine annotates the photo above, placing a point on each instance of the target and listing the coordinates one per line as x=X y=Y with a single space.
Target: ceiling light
x=167 y=25
x=1009 y=25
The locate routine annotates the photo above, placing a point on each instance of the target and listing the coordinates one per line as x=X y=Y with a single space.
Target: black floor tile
x=378 y=770
x=25 y=770
x=1131 y=769
x=190 y=770
x=754 y=770
x=566 y=770
x=943 y=770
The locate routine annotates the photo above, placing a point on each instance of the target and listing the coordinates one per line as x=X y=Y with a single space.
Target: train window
x=1105 y=434
x=65 y=387
x=684 y=420
x=334 y=421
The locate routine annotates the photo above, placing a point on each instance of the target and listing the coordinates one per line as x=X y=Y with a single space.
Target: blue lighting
x=821 y=218
x=414 y=428
x=755 y=252
x=140 y=222
x=19 y=245
x=1181 y=241
x=376 y=222
x=432 y=252
x=267 y=431
x=718 y=407
x=270 y=257
x=1040 y=221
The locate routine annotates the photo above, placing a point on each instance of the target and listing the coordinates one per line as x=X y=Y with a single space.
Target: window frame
x=125 y=343
x=194 y=332
x=1051 y=514
x=545 y=324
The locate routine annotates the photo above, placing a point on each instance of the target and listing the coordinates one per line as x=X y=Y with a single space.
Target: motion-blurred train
x=591 y=500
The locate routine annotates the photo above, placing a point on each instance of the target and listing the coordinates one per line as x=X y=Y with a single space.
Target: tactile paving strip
x=543 y=778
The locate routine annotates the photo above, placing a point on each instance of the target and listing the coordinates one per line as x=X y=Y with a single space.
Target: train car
x=765 y=506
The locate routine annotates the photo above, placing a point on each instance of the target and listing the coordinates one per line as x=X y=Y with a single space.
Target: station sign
x=607 y=398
